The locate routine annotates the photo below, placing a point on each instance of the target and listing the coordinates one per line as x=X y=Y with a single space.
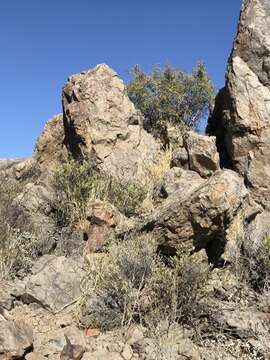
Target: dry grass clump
x=17 y=249
x=18 y=252
x=255 y=262
x=77 y=183
x=153 y=175
x=133 y=284
x=250 y=258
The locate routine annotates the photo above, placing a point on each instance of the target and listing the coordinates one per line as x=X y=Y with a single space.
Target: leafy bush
x=76 y=183
x=171 y=96
x=132 y=283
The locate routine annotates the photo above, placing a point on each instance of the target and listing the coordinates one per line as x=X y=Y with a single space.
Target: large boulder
x=241 y=118
x=178 y=179
x=102 y=124
x=203 y=156
x=195 y=152
x=200 y=217
x=54 y=284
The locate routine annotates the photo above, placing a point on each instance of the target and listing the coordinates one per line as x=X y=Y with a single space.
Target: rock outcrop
x=50 y=147
x=215 y=193
x=241 y=118
x=7 y=167
x=196 y=152
x=201 y=216
x=102 y=124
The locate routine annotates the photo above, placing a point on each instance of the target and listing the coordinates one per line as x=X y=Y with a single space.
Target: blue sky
x=42 y=42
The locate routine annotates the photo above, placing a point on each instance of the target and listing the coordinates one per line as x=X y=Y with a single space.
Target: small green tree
x=171 y=96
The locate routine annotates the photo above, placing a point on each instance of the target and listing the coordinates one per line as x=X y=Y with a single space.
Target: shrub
x=249 y=258
x=17 y=253
x=9 y=190
x=255 y=264
x=132 y=283
x=76 y=183
x=171 y=96
x=17 y=249
x=154 y=173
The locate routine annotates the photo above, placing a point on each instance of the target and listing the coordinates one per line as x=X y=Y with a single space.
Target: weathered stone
x=7 y=167
x=201 y=217
x=102 y=124
x=102 y=219
x=54 y=283
x=71 y=351
x=202 y=153
x=19 y=169
x=27 y=170
x=15 y=338
x=177 y=179
x=174 y=136
x=102 y=354
x=6 y=298
x=50 y=149
x=35 y=356
x=127 y=352
x=241 y=118
x=52 y=342
x=180 y=158
x=31 y=209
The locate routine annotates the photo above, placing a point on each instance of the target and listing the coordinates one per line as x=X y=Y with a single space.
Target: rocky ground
x=206 y=193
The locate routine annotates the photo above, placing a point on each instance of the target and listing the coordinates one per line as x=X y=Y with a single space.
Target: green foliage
x=77 y=183
x=133 y=284
x=171 y=96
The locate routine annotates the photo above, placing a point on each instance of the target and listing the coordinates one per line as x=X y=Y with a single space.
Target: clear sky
x=42 y=42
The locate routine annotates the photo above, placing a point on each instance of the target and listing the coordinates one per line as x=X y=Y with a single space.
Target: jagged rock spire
x=241 y=118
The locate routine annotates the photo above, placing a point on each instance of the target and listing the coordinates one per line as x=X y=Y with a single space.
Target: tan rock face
x=196 y=152
x=50 y=147
x=178 y=179
x=102 y=124
x=7 y=167
x=201 y=216
x=241 y=119
x=202 y=153
x=54 y=283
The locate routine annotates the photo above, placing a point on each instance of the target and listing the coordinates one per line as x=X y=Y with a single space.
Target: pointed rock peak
x=241 y=118
x=102 y=124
